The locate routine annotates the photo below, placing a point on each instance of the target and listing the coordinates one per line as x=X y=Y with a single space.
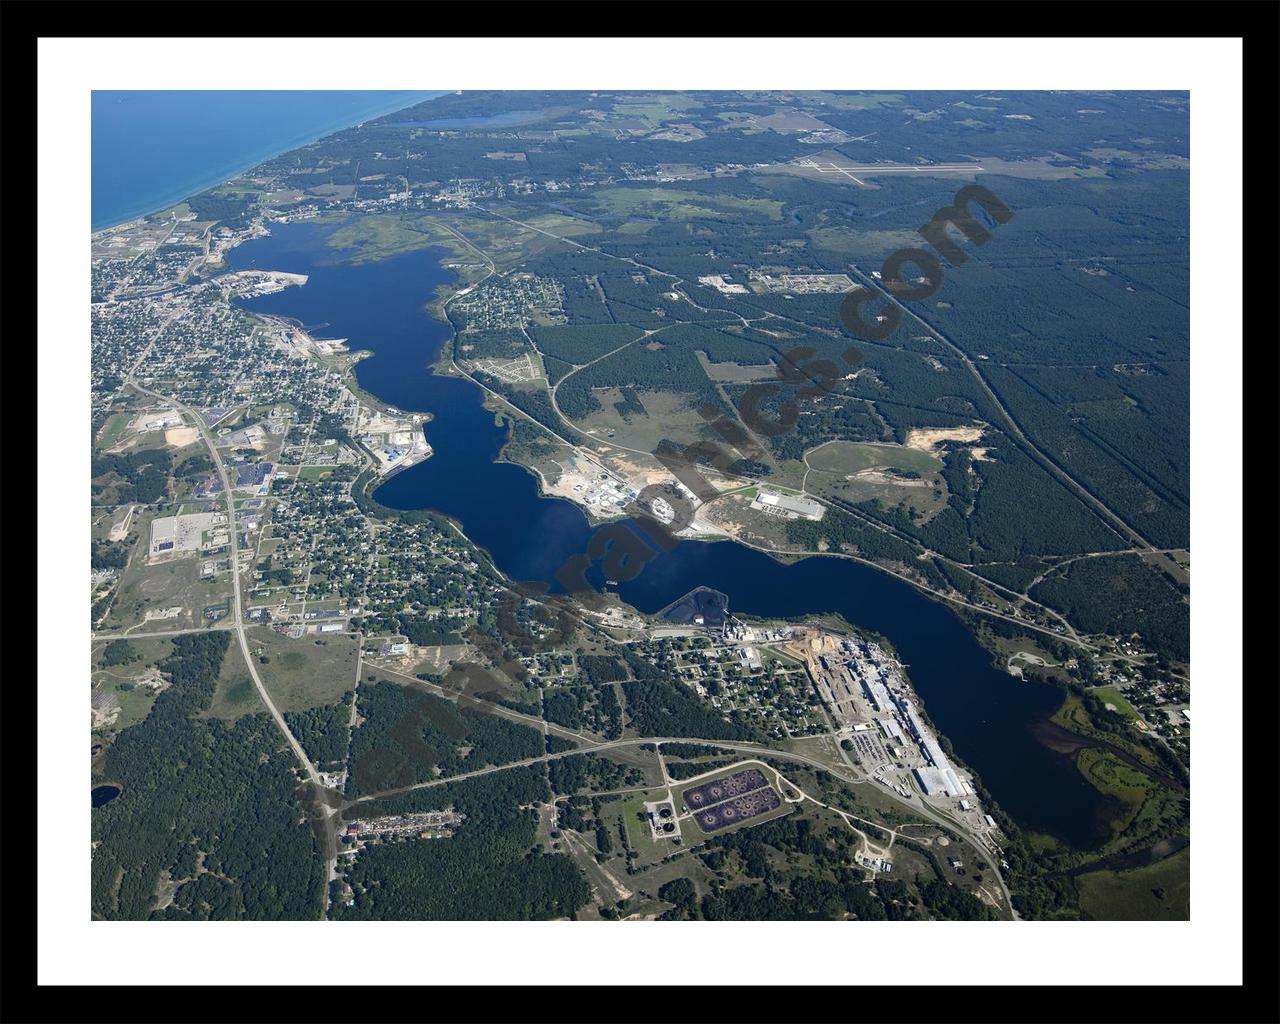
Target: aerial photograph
x=639 y=506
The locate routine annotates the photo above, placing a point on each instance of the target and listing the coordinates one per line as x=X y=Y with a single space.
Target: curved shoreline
x=235 y=168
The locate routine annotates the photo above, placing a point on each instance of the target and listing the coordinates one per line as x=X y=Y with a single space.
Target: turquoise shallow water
x=151 y=149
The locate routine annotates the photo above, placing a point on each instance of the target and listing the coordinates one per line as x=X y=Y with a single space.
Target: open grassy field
x=113 y=429
x=148 y=651
x=676 y=204
x=306 y=672
x=1072 y=715
x=656 y=108
x=629 y=810
x=1110 y=695
x=235 y=694
x=734 y=373
x=845 y=457
x=890 y=474
x=668 y=416
x=733 y=514
x=124 y=684
x=380 y=237
x=871 y=244
x=1157 y=892
x=562 y=225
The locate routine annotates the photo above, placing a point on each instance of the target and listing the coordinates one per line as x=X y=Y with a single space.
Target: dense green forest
x=581 y=343
x=322 y=731
x=658 y=708
x=409 y=735
x=141 y=476
x=1120 y=595
x=207 y=812
x=571 y=774
x=106 y=554
x=488 y=870
x=430 y=632
x=589 y=707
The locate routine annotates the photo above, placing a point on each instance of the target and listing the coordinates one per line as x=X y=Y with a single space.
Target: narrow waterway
x=990 y=717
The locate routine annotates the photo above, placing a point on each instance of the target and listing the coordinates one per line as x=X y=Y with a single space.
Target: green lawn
x=639 y=838
x=113 y=430
x=1110 y=695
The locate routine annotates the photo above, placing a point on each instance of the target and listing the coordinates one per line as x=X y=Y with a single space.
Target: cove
x=989 y=716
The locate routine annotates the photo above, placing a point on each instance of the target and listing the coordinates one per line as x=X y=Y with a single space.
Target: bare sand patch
x=876 y=475
x=180 y=437
x=928 y=439
x=120 y=529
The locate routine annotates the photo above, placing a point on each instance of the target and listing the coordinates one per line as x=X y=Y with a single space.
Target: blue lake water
x=990 y=717
x=151 y=149
x=105 y=794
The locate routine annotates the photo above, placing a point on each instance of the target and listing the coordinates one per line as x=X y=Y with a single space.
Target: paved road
x=588 y=744
x=233 y=544
x=737 y=746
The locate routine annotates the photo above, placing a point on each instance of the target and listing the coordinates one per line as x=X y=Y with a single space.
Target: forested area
x=533 y=401
x=681 y=770
x=1068 y=431
x=584 y=707
x=231 y=210
x=658 y=708
x=568 y=775
x=1120 y=595
x=323 y=732
x=488 y=870
x=821 y=885
x=108 y=554
x=1014 y=575
x=839 y=530
x=409 y=735
x=430 y=632
x=143 y=476
x=207 y=811
x=581 y=343
x=1021 y=510
x=656 y=366
x=118 y=652
x=598 y=669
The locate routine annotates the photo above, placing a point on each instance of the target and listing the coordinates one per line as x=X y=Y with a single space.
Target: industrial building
x=787 y=505
x=940 y=780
